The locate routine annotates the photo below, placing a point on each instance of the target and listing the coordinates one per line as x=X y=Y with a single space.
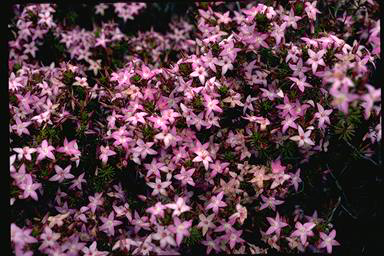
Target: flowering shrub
x=201 y=138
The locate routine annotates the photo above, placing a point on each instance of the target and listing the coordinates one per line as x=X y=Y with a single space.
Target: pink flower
x=328 y=240
x=95 y=201
x=295 y=179
x=202 y=154
x=218 y=167
x=301 y=84
x=164 y=236
x=291 y=19
x=24 y=152
x=303 y=137
x=276 y=225
x=215 y=203
x=201 y=73
x=277 y=167
x=180 y=228
x=211 y=105
x=303 y=231
x=77 y=182
x=156 y=210
x=61 y=174
x=323 y=115
x=211 y=244
x=45 y=150
x=69 y=148
x=29 y=187
x=109 y=224
x=289 y=121
x=234 y=238
x=185 y=176
x=144 y=149
x=178 y=207
x=159 y=187
x=105 y=153
x=315 y=58
x=206 y=222
x=92 y=250
x=270 y=202
x=21 y=127
x=310 y=9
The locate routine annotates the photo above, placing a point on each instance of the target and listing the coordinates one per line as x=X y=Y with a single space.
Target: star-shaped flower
x=328 y=240
x=276 y=225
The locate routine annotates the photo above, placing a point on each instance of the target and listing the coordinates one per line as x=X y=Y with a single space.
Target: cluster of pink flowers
x=193 y=130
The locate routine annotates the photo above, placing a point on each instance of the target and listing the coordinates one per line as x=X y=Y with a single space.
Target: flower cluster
x=196 y=136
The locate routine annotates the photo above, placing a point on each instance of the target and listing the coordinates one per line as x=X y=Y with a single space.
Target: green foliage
x=48 y=133
x=215 y=49
x=262 y=22
x=188 y=163
x=16 y=67
x=148 y=133
x=268 y=57
x=166 y=220
x=345 y=130
x=103 y=80
x=288 y=149
x=305 y=55
x=15 y=191
x=194 y=238
x=265 y=107
x=37 y=78
x=104 y=177
x=255 y=138
x=347 y=123
x=185 y=68
x=150 y=106
x=68 y=77
x=197 y=103
x=299 y=9
x=136 y=78
x=223 y=90
x=229 y=156
x=79 y=92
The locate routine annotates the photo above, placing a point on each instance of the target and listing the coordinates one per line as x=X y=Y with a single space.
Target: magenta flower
x=303 y=137
x=105 y=153
x=180 y=229
x=144 y=148
x=29 y=187
x=21 y=127
x=206 y=222
x=178 y=207
x=69 y=148
x=216 y=202
x=185 y=176
x=300 y=83
x=202 y=154
x=303 y=231
x=45 y=150
x=323 y=115
x=25 y=152
x=328 y=240
x=109 y=224
x=276 y=225
x=316 y=59
x=201 y=73
x=61 y=174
